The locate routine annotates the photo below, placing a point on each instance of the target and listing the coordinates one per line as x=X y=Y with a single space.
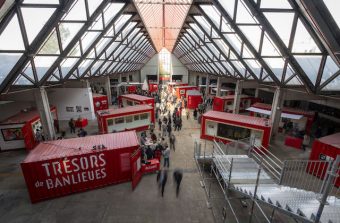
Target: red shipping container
x=100 y=102
x=213 y=121
x=310 y=115
x=58 y=168
x=135 y=99
x=326 y=148
x=128 y=119
x=194 y=98
x=181 y=91
x=225 y=103
x=21 y=127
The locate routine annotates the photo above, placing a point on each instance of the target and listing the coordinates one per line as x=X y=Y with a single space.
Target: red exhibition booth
x=135 y=99
x=19 y=130
x=172 y=85
x=136 y=117
x=194 y=98
x=326 y=148
x=229 y=127
x=153 y=87
x=301 y=118
x=226 y=103
x=100 y=102
x=181 y=91
x=62 y=167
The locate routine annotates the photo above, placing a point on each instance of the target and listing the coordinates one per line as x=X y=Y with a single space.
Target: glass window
x=97 y=23
x=310 y=64
x=11 y=38
x=275 y=4
x=35 y=19
x=282 y=23
x=144 y=116
x=77 y=12
x=303 y=42
x=121 y=22
x=109 y=122
x=75 y=52
x=111 y=11
x=119 y=120
x=276 y=65
x=235 y=41
x=330 y=68
x=93 y=5
x=232 y=132
x=68 y=31
x=229 y=6
x=84 y=65
x=67 y=64
x=51 y=45
x=42 y=64
x=21 y=80
x=294 y=81
x=7 y=62
x=334 y=85
x=41 y=2
x=333 y=7
x=253 y=34
x=243 y=14
x=128 y=119
x=269 y=48
x=88 y=38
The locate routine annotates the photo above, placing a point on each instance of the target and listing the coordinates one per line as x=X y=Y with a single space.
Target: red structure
x=19 y=130
x=181 y=91
x=135 y=99
x=172 y=85
x=326 y=148
x=100 y=102
x=225 y=103
x=230 y=127
x=136 y=117
x=153 y=87
x=62 y=167
x=194 y=98
x=306 y=122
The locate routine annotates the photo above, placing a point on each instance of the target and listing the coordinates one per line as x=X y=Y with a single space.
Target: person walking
x=179 y=124
x=172 y=141
x=164 y=129
x=178 y=175
x=162 y=178
x=169 y=129
x=160 y=124
x=187 y=113
x=166 y=156
x=72 y=125
x=195 y=114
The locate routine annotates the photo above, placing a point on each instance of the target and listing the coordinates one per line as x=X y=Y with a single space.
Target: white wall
x=179 y=69
x=11 y=108
x=150 y=68
x=72 y=97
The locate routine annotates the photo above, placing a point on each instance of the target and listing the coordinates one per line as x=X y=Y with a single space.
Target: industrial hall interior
x=170 y=111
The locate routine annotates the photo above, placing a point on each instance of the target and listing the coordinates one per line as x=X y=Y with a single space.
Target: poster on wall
x=12 y=134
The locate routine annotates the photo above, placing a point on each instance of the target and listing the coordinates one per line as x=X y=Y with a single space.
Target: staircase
x=245 y=175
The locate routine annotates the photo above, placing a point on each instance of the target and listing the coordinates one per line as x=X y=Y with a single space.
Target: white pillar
x=257 y=92
x=108 y=89
x=207 y=83
x=44 y=110
x=237 y=97
x=218 y=92
x=277 y=106
x=119 y=81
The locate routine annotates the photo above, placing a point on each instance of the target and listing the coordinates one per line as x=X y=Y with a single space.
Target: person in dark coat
x=72 y=125
x=160 y=124
x=178 y=175
x=162 y=178
x=195 y=114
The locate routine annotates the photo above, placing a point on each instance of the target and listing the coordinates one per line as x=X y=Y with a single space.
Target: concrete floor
x=118 y=203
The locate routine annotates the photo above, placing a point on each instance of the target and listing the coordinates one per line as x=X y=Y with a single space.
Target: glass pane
x=246 y=52
x=294 y=81
x=225 y=26
x=222 y=46
x=68 y=31
x=276 y=65
x=52 y=78
x=282 y=23
x=88 y=38
x=95 y=67
x=330 y=68
x=7 y=62
x=255 y=66
x=243 y=14
x=77 y=12
x=334 y=85
x=111 y=11
x=111 y=48
x=212 y=13
x=229 y=6
x=51 y=45
x=303 y=42
x=21 y=80
x=67 y=64
x=35 y=19
x=310 y=64
x=121 y=22
x=239 y=67
x=41 y=2
x=28 y=71
x=268 y=47
x=333 y=7
x=102 y=44
x=93 y=5
x=289 y=73
x=253 y=34
x=84 y=65
x=10 y=38
x=234 y=41
x=75 y=52
x=91 y=55
x=42 y=64
x=282 y=4
x=97 y=23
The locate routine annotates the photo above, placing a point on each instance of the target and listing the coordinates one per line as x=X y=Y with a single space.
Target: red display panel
x=100 y=102
x=223 y=103
x=181 y=91
x=136 y=168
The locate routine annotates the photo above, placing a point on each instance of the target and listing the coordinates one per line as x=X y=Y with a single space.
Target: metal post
x=230 y=171
x=325 y=180
x=282 y=172
x=255 y=191
x=328 y=185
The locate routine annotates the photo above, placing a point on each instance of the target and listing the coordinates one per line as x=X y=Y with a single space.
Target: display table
x=293 y=142
x=153 y=166
x=81 y=123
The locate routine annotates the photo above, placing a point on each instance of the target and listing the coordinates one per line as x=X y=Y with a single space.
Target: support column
x=218 y=92
x=44 y=110
x=207 y=84
x=237 y=97
x=108 y=90
x=277 y=106
x=257 y=92
x=118 y=88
